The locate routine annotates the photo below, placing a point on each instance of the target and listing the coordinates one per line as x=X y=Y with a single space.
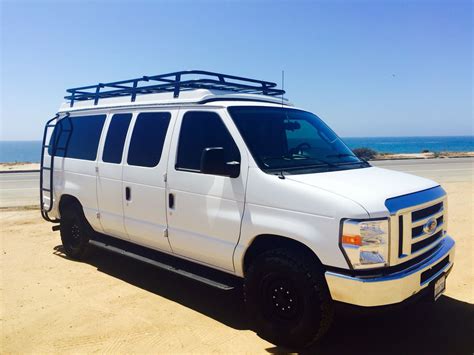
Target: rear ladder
x=55 y=137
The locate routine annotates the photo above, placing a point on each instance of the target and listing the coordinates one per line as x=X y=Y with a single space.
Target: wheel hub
x=282 y=299
x=76 y=235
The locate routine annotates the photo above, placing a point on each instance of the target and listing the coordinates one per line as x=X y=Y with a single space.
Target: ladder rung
x=46 y=168
x=46 y=146
x=44 y=189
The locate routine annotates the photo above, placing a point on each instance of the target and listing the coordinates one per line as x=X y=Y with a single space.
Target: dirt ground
x=111 y=304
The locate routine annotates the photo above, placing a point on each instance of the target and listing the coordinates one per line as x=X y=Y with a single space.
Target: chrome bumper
x=391 y=288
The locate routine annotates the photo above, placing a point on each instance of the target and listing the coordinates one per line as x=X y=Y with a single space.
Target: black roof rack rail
x=172 y=82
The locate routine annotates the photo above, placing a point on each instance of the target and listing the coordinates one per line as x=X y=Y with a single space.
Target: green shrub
x=365 y=153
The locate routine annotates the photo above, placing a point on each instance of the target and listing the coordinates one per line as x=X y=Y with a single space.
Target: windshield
x=292 y=141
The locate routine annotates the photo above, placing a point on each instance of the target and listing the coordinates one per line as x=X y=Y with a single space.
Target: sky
x=367 y=68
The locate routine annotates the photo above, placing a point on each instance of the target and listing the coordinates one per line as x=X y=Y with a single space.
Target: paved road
x=21 y=189
x=440 y=170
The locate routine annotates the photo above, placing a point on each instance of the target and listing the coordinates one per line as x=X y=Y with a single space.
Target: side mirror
x=213 y=162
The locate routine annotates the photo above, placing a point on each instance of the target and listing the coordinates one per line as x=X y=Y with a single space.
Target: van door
x=205 y=211
x=77 y=140
x=144 y=194
x=109 y=186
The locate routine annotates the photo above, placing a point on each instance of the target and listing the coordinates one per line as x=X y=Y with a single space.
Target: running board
x=167 y=266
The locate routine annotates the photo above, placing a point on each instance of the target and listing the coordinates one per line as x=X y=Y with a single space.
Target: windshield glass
x=293 y=141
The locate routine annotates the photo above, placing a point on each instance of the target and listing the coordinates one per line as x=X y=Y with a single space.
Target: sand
x=111 y=304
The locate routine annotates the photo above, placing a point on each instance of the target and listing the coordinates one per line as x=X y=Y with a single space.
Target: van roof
x=177 y=88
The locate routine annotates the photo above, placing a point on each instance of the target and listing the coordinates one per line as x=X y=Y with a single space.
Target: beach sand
x=111 y=304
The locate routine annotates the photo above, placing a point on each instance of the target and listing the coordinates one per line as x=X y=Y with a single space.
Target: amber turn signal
x=352 y=239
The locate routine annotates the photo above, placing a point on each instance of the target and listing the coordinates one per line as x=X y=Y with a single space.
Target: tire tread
x=313 y=272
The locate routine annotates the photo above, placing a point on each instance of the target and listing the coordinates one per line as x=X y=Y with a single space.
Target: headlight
x=365 y=243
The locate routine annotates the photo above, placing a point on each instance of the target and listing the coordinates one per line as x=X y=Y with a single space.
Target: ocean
x=412 y=144
x=20 y=151
x=30 y=151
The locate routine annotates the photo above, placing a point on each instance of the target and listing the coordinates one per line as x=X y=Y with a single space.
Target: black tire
x=75 y=232
x=287 y=299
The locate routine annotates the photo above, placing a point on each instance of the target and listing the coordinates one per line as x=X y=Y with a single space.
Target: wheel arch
x=264 y=242
x=67 y=201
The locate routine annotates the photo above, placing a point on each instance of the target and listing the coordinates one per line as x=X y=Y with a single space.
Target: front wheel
x=74 y=232
x=288 y=299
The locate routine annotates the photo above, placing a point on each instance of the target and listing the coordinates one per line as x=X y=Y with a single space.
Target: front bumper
x=391 y=288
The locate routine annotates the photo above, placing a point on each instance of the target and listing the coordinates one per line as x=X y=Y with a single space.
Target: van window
x=148 y=137
x=200 y=130
x=115 y=140
x=77 y=137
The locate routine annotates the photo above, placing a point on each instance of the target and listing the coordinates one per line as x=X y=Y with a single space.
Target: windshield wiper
x=342 y=155
x=290 y=158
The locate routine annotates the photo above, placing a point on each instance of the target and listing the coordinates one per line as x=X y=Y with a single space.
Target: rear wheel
x=75 y=232
x=287 y=299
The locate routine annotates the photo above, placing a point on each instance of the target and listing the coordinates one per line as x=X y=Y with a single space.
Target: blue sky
x=368 y=68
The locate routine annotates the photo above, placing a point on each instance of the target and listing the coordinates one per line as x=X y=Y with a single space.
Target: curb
x=18 y=171
x=433 y=158
x=20 y=208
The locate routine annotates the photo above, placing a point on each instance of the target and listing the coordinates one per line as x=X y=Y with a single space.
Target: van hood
x=369 y=187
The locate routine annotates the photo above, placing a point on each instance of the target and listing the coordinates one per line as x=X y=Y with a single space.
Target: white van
x=218 y=178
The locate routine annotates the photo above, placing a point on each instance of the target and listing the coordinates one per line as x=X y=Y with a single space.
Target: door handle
x=128 y=193
x=171 y=200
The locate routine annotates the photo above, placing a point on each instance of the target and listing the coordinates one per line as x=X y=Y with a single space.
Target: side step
x=211 y=277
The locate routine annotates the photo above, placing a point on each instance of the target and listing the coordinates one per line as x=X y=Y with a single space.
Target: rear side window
x=77 y=137
x=148 y=137
x=115 y=140
x=200 y=130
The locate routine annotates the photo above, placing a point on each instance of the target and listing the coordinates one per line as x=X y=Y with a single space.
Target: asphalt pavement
x=19 y=189
x=441 y=170
x=22 y=189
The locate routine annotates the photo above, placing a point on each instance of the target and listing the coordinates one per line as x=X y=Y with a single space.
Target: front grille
x=425 y=242
x=419 y=217
x=418 y=231
x=426 y=275
x=425 y=212
x=410 y=215
x=400 y=235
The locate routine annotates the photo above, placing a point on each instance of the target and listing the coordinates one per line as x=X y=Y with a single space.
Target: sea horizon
x=30 y=150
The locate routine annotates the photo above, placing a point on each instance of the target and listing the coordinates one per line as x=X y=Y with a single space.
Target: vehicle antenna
x=282 y=85
x=282 y=176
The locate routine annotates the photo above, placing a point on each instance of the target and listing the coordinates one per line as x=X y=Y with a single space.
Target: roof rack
x=172 y=82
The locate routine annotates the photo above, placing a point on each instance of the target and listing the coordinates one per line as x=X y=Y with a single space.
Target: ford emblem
x=430 y=226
